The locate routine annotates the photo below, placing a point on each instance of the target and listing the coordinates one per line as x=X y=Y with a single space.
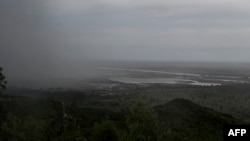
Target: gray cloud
x=30 y=46
x=45 y=35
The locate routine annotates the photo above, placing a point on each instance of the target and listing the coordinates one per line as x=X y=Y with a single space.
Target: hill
x=178 y=120
x=184 y=120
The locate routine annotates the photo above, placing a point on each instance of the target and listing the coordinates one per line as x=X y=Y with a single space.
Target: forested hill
x=185 y=120
x=178 y=120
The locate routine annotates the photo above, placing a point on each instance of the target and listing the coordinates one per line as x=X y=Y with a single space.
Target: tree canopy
x=3 y=81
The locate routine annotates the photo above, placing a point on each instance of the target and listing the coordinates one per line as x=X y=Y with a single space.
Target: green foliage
x=105 y=131
x=183 y=120
x=55 y=120
x=3 y=82
x=29 y=129
x=177 y=120
x=3 y=112
x=142 y=124
x=72 y=131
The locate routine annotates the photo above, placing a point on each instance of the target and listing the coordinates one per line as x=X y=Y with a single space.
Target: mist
x=31 y=48
x=54 y=39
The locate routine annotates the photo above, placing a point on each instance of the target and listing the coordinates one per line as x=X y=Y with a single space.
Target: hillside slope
x=184 y=120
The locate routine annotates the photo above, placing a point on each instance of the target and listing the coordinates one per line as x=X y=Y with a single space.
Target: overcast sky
x=47 y=33
x=207 y=30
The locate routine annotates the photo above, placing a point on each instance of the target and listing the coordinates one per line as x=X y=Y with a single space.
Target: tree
x=3 y=82
x=28 y=129
x=105 y=131
x=55 y=120
x=3 y=110
x=142 y=124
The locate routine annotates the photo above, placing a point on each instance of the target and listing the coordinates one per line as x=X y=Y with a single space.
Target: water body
x=129 y=80
x=150 y=71
x=170 y=73
x=189 y=78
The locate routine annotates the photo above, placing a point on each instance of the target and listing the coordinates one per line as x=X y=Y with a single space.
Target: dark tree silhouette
x=3 y=111
x=3 y=81
x=142 y=124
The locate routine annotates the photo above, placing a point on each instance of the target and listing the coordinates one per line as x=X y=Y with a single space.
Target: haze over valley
x=127 y=70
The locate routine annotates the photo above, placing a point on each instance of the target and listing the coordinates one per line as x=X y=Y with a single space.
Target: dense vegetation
x=120 y=113
x=35 y=119
x=3 y=82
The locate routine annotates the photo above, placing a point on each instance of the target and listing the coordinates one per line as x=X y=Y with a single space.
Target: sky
x=47 y=34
